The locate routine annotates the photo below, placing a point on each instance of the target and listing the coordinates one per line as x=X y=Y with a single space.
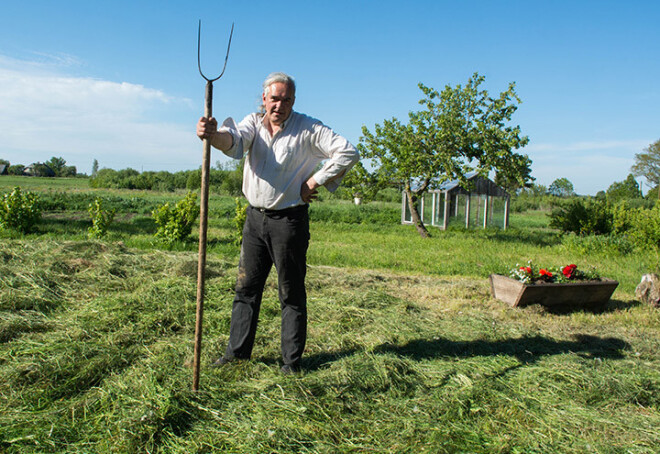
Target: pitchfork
x=203 y=209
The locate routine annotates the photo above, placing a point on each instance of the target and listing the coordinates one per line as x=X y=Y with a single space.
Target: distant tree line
x=54 y=167
x=561 y=191
x=221 y=179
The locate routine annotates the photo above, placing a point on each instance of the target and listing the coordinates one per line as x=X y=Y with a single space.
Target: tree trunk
x=417 y=220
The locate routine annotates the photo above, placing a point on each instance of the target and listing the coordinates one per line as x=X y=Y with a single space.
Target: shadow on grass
x=611 y=306
x=319 y=360
x=532 y=237
x=527 y=349
x=59 y=225
x=133 y=225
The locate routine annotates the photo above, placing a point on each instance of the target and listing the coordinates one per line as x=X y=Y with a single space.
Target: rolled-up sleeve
x=341 y=154
x=237 y=149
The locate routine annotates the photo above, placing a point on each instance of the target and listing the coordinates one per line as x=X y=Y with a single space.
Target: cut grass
x=395 y=362
x=407 y=351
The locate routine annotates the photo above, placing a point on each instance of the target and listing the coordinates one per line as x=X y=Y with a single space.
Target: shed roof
x=39 y=169
x=482 y=186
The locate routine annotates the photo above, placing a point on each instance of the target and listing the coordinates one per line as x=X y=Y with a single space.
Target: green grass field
x=407 y=350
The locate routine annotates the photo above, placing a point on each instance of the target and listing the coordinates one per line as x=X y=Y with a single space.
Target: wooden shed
x=485 y=204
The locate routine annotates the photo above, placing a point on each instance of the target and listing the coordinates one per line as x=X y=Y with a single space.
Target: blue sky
x=118 y=82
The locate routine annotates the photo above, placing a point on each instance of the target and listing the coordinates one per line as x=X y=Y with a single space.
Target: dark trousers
x=280 y=238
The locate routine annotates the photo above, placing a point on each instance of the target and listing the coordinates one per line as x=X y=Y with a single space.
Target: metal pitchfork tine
x=203 y=209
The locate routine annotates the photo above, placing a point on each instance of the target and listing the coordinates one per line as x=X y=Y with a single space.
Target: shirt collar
x=284 y=124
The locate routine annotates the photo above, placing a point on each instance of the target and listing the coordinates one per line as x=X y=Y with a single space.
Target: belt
x=284 y=211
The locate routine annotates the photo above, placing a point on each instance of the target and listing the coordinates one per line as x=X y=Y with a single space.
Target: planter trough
x=574 y=294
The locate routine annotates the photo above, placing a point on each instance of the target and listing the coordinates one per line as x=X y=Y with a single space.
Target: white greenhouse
x=484 y=205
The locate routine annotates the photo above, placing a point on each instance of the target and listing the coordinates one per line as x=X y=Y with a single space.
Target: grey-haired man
x=282 y=150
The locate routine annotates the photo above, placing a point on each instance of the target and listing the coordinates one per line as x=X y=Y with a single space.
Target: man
x=282 y=150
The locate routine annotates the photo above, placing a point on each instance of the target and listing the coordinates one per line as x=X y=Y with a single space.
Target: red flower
x=526 y=269
x=569 y=271
x=544 y=272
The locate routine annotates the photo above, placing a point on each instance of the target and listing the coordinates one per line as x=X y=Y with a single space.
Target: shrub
x=19 y=211
x=175 y=224
x=584 y=217
x=239 y=220
x=101 y=218
x=641 y=226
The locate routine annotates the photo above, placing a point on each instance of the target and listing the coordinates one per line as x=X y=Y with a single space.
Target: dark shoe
x=290 y=369
x=223 y=361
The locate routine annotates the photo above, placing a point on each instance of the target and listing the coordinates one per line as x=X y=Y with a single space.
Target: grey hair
x=279 y=77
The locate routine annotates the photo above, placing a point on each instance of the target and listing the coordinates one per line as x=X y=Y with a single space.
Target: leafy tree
x=561 y=187
x=95 y=167
x=68 y=171
x=647 y=164
x=57 y=165
x=532 y=197
x=534 y=190
x=40 y=169
x=360 y=183
x=626 y=189
x=513 y=185
x=16 y=169
x=233 y=182
x=5 y=162
x=651 y=194
x=460 y=130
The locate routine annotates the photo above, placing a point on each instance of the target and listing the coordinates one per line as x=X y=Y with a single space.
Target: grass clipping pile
x=94 y=338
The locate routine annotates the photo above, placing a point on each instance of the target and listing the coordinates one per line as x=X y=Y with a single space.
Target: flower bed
x=530 y=274
x=565 y=286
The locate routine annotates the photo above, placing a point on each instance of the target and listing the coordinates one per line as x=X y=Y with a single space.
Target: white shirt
x=276 y=167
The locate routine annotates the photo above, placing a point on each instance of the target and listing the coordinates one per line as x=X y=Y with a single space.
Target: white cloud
x=45 y=113
x=635 y=146
x=591 y=166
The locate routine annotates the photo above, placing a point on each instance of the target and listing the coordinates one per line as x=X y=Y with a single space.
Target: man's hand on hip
x=309 y=190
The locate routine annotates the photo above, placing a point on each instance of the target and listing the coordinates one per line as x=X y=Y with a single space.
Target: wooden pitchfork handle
x=204 y=211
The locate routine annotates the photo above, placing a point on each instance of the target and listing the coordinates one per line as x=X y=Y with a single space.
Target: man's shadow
x=527 y=349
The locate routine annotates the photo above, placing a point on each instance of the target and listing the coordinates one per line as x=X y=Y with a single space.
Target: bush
x=19 y=211
x=175 y=224
x=641 y=226
x=101 y=218
x=584 y=217
x=239 y=220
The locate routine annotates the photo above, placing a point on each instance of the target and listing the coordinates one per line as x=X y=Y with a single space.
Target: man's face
x=279 y=102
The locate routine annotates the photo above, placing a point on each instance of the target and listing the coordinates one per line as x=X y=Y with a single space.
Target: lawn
x=407 y=350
